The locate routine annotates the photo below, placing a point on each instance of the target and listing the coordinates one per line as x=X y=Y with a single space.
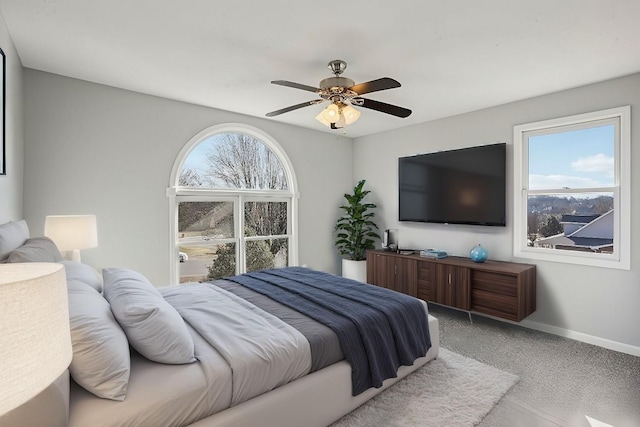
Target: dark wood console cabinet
x=496 y=288
x=396 y=273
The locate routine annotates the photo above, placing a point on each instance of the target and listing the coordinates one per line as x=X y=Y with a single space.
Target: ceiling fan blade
x=294 y=107
x=394 y=110
x=383 y=83
x=296 y=85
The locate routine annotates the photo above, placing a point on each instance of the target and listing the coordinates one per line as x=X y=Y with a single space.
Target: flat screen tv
x=465 y=186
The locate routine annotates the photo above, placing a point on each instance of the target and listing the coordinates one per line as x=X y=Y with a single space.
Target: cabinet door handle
x=449 y=278
x=395 y=269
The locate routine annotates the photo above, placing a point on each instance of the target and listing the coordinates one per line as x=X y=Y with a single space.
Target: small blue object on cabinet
x=433 y=253
x=479 y=254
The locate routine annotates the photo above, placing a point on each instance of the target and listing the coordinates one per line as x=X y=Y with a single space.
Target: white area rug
x=450 y=391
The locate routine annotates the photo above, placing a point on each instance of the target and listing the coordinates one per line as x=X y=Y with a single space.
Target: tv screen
x=465 y=186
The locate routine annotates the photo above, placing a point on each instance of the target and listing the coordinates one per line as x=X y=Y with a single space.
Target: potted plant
x=356 y=233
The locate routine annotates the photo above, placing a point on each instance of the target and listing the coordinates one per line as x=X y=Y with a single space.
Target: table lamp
x=35 y=342
x=71 y=233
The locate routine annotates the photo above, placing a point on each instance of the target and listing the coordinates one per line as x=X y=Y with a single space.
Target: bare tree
x=241 y=161
x=190 y=178
x=533 y=226
x=602 y=204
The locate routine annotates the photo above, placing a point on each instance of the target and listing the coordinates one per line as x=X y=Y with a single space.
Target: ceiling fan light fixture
x=321 y=119
x=331 y=113
x=338 y=116
x=350 y=114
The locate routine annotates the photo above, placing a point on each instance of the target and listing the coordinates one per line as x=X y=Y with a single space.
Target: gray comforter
x=263 y=351
x=324 y=343
x=379 y=330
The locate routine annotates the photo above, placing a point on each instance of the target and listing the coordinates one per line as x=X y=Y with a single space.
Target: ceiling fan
x=343 y=94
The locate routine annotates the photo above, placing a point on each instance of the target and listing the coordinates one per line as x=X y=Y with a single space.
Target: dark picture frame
x=3 y=152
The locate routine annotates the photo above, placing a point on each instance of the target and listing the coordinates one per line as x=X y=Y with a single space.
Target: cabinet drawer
x=502 y=284
x=425 y=271
x=494 y=304
x=425 y=281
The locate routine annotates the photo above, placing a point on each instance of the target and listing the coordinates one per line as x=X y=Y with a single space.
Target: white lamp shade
x=72 y=232
x=331 y=113
x=338 y=116
x=321 y=119
x=35 y=343
x=350 y=114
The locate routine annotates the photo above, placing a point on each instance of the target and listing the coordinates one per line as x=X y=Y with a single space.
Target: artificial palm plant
x=355 y=230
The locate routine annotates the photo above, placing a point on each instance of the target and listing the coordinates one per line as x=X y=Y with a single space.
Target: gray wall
x=591 y=304
x=93 y=149
x=11 y=183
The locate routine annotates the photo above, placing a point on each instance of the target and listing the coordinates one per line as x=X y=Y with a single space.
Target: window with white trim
x=234 y=205
x=572 y=189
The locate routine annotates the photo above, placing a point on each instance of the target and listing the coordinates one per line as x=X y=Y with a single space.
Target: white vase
x=356 y=270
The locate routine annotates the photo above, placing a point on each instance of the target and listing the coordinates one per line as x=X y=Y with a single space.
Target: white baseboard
x=579 y=336
x=566 y=333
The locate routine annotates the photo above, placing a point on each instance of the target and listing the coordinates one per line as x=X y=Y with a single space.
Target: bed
x=200 y=381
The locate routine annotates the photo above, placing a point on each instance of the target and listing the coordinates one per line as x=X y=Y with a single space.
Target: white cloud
x=597 y=163
x=541 y=182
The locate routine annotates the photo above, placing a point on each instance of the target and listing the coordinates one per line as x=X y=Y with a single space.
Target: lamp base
x=49 y=408
x=73 y=255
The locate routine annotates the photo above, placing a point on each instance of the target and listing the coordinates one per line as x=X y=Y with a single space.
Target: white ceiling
x=451 y=56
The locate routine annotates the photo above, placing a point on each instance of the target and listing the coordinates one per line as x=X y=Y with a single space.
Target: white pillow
x=101 y=360
x=154 y=328
x=12 y=236
x=83 y=273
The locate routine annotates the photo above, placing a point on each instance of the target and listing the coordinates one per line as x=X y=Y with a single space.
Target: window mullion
x=270 y=237
x=558 y=191
x=241 y=253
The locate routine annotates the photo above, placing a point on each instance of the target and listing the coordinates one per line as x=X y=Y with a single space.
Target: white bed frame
x=315 y=400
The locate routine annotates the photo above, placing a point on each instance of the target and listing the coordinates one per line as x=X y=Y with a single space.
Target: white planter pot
x=356 y=270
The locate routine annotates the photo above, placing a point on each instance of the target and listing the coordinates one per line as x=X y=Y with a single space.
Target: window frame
x=621 y=257
x=177 y=193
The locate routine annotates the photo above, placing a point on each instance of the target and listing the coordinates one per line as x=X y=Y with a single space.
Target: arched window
x=233 y=198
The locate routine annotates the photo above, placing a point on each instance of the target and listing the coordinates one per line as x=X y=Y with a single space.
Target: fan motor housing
x=332 y=82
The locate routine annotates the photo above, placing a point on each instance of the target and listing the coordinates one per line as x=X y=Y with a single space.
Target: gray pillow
x=36 y=249
x=83 y=273
x=154 y=328
x=12 y=236
x=101 y=360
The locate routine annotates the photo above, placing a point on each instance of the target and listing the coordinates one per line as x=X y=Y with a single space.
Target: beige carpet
x=450 y=391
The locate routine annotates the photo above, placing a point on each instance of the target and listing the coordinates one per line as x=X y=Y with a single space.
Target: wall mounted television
x=464 y=186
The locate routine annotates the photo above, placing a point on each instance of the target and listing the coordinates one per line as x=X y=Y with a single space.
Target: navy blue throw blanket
x=379 y=329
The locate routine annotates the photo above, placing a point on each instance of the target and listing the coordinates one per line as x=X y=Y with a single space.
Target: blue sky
x=197 y=158
x=576 y=159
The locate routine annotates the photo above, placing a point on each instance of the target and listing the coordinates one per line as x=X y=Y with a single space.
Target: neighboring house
x=592 y=233
x=571 y=223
